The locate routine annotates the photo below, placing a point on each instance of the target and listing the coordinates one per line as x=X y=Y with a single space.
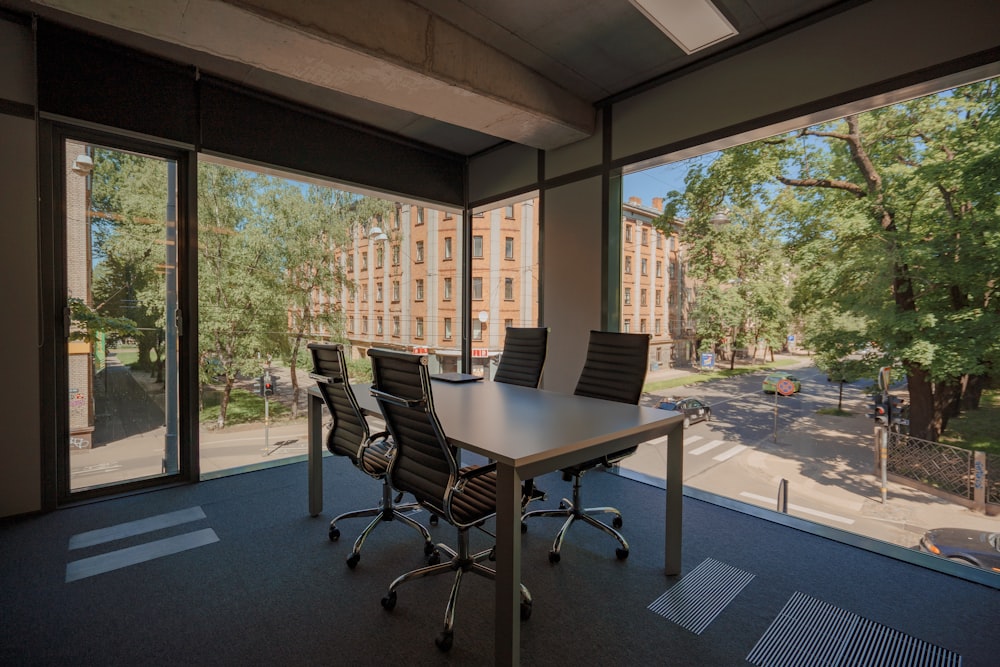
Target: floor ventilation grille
x=811 y=632
x=695 y=601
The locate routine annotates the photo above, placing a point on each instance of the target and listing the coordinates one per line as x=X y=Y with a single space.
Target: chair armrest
x=381 y=435
x=325 y=379
x=467 y=477
x=397 y=400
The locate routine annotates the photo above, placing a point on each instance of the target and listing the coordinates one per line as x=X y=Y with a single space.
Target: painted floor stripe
x=710 y=445
x=730 y=453
x=691 y=439
x=800 y=508
x=114 y=560
x=133 y=528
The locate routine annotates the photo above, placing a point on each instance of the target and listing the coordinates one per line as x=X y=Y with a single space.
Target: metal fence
x=993 y=481
x=943 y=467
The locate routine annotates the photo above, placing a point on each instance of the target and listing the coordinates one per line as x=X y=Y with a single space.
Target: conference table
x=528 y=432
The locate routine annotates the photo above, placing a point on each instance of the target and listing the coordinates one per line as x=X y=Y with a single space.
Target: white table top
x=533 y=430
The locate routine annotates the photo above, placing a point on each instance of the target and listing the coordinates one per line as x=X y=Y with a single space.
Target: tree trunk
x=925 y=422
x=294 y=375
x=224 y=404
x=973 y=392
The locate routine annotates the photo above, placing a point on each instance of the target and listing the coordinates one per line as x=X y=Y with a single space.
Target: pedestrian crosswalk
x=705 y=448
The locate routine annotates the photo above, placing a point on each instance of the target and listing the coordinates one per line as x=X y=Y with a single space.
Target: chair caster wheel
x=524 y=527
x=525 y=611
x=428 y=548
x=352 y=560
x=622 y=554
x=434 y=520
x=443 y=641
x=553 y=557
x=562 y=505
x=389 y=601
x=616 y=522
x=434 y=558
x=334 y=533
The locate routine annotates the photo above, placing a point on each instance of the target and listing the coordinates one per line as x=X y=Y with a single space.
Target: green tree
x=891 y=219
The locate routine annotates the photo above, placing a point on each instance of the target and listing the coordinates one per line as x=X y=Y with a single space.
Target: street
x=828 y=460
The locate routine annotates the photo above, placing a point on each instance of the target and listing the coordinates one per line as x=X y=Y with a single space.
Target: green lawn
x=977 y=429
x=708 y=376
x=244 y=408
x=127 y=355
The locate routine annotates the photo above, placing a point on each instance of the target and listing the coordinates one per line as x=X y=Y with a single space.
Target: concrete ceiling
x=461 y=75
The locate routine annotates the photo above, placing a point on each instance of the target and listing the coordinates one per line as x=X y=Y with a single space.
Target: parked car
x=972 y=547
x=694 y=410
x=770 y=384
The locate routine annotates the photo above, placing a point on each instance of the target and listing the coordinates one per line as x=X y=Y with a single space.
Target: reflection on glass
x=121 y=291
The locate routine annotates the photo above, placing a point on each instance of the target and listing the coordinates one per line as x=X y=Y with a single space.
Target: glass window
x=509 y=212
x=395 y=326
x=644 y=266
x=628 y=264
x=447 y=247
x=447 y=289
x=420 y=327
x=379 y=257
x=508 y=289
x=364 y=324
x=659 y=269
x=477 y=330
x=477 y=289
x=447 y=328
x=645 y=236
x=628 y=296
x=628 y=233
x=364 y=261
x=420 y=289
x=378 y=292
x=364 y=293
x=395 y=255
x=627 y=326
x=508 y=323
x=477 y=246
x=420 y=215
x=659 y=297
x=378 y=325
x=395 y=290
x=509 y=247
x=420 y=252
x=642 y=325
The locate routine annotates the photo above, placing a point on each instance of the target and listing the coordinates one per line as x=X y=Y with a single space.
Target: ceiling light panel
x=691 y=24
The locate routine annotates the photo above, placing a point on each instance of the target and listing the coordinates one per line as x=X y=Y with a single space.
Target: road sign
x=785 y=387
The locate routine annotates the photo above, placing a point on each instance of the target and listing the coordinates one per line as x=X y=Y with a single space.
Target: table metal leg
x=314 y=417
x=507 y=624
x=675 y=495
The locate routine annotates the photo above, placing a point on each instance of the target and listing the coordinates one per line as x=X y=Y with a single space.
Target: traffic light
x=268 y=384
x=895 y=409
x=879 y=412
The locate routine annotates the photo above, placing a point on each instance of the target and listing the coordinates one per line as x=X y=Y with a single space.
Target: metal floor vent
x=695 y=601
x=811 y=632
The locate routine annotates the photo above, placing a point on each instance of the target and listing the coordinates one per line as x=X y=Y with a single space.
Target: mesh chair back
x=424 y=463
x=615 y=368
x=523 y=356
x=350 y=429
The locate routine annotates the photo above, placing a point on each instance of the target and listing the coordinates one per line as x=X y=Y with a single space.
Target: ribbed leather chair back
x=615 y=368
x=424 y=464
x=523 y=356
x=350 y=430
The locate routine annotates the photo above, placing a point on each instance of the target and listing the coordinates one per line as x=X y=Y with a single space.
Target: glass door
x=121 y=318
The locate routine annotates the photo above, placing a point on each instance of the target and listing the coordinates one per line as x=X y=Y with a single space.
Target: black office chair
x=426 y=464
x=523 y=356
x=350 y=436
x=615 y=370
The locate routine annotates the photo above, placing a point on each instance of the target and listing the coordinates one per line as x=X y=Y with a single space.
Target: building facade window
x=378 y=292
x=627 y=326
x=642 y=297
x=477 y=330
x=379 y=257
x=395 y=326
x=420 y=289
x=508 y=289
x=395 y=255
x=477 y=289
x=659 y=330
x=508 y=211
x=628 y=264
x=477 y=246
x=659 y=297
x=645 y=236
x=628 y=233
x=395 y=291
x=364 y=293
x=420 y=215
x=420 y=252
x=659 y=269
x=420 y=327
x=628 y=296
x=447 y=328
x=447 y=247
x=364 y=261
x=642 y=325
x=644 y=266
x=378 y=325
x=507 y=324
x=364 y=325
x=508 y=250
x=350 y=261
x=447 y=289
